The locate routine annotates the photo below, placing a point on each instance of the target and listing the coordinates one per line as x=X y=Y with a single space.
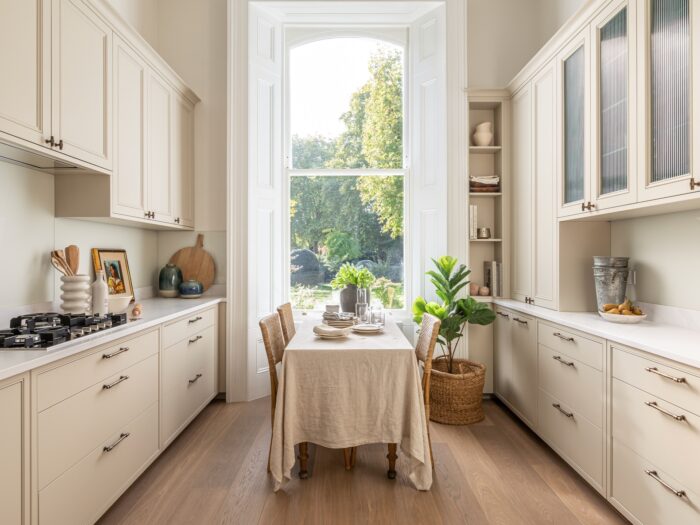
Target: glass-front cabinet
x=668 y=83
x=614 y=126
x=574 y=126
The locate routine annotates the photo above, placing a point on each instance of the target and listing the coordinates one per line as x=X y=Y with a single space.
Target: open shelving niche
x=493 y=210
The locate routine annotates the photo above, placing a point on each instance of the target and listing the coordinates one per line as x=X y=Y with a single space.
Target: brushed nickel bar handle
x=122 y=437
x=112 y=385
x=560 y=409
x=656 y=371
x=655 y=406
x=191 y=341
x=655 y=475
x=191 y=321
x=563 y=337
x=567 y=363
x=192 y=381
x=519 y=320
x=120 y=351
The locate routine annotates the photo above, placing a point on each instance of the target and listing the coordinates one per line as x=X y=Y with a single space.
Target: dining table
x=349 y=392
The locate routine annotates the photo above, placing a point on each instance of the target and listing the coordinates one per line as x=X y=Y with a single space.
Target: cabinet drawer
x=69 y=430
x=12 y=445
x=667 y=442
x=85 y=491
x=575 y=438
x=582 y=349
x=667 y=383
x=578 y=385
x=189 y=379
x=645 y=497
x=188 y=326
x=59 y=383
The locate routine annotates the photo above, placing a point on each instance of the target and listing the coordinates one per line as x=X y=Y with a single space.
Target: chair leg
x=303 y=460
x=430 y=446
x=269 y=455
x=391 y=456
x=353 y=456
x=347 y=457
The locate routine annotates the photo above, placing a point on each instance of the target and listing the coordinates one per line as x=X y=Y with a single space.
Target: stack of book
x=472 y=221
x=493 y=277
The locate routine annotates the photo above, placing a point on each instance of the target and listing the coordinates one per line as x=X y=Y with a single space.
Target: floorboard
x=494 y=472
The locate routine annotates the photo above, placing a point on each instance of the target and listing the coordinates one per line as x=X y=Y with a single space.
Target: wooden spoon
x=57 y=264
x=60 y=259
x=73 y=258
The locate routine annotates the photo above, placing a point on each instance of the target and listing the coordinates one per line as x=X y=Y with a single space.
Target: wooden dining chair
x=287 y=318
x=425 y=348
x=274 y=341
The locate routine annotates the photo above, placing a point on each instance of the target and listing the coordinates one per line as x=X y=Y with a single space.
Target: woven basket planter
x=455 y=399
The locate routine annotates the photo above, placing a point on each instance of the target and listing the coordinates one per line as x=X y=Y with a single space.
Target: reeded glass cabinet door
x=666 y=77
x=614 y=106
x=574 y=106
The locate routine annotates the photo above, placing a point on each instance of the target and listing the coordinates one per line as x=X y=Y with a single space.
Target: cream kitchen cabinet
x=158 y=142
x=14 y=451
x=182 y=161
x=502 y=355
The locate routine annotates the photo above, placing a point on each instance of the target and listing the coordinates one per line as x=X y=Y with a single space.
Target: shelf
x=485 y=194
x=485 y=240
x=484 y=149
x=483 y=298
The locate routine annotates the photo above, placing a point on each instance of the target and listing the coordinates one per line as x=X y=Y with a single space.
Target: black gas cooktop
x=49 y=329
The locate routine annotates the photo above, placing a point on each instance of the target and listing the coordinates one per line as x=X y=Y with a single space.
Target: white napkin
x=324 y=329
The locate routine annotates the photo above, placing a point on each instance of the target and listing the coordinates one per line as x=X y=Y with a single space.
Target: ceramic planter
x=169 y=281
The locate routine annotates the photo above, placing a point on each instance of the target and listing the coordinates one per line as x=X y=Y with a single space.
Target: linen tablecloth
x=345 y=393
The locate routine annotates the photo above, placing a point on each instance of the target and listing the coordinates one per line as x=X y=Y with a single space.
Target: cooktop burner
x=44 y=330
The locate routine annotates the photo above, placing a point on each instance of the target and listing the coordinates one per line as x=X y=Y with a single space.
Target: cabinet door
x=544 y=267
x=129 y=173
x=613 y=145
x=25 y=89
x=524 y=357
x=573 y=118
x=668 y=78
x=159 y=136
x=522 y=194
x=182 y=169
x=81 y=83
x=502 y=358
x=13 y=446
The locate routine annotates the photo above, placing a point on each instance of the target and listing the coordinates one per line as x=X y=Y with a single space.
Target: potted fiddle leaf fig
x=456 y=384
x=350 y=278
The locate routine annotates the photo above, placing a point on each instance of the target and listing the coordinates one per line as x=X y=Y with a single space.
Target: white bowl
x=118 y=305
x=622 y=319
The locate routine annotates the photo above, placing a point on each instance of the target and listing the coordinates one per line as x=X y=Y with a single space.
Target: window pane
x=337 y=220
x=670 y=97
x=613 y=104
x=346 y=104
x=574 y=93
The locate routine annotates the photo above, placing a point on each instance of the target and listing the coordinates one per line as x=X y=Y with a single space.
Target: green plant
x=454 y=312
x=349 y=274
x=389 y=293
x=341 y=247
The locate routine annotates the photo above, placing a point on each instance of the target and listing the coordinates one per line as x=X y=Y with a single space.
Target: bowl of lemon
x=625 y=313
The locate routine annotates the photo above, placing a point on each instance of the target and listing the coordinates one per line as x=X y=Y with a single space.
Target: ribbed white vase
x=76 y=294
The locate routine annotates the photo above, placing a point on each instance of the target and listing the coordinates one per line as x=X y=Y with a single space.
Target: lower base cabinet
x=14 y=460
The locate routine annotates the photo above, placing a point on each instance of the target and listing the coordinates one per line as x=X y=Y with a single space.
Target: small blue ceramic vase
x=191 y=289
x=169 y=281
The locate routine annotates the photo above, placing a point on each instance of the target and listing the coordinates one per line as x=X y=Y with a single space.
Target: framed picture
x=116 y=267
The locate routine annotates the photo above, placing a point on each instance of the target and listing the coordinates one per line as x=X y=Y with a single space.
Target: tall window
x=346 y=167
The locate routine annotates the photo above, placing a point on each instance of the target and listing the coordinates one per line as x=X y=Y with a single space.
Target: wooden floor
x=495 y=472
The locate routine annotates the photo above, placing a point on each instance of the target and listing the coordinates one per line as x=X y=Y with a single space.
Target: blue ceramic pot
x=191 y=289
x=169 y=281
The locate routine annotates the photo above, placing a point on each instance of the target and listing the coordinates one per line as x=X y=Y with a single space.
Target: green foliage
x=341 y=247
x=389 y=293
x=312 y=152
x=305 y=297
x=453 y=312
x=384 y=195
x=349 y=274
x=349 y=149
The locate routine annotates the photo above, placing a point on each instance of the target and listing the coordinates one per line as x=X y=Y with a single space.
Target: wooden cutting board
x=195 y=263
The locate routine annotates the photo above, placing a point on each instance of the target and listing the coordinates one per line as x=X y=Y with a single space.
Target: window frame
x=396 y=35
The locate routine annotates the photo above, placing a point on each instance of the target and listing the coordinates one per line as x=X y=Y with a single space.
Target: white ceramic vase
x=76 y=294
x=483 y=135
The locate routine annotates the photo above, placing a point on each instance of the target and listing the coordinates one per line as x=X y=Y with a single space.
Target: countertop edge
x=610 y=334
x=34 y=359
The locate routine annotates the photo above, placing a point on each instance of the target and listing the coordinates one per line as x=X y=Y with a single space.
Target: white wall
x=665 y=250
x=143 y=15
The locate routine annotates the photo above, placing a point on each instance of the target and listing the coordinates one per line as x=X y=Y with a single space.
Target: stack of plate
x=338 y=320
x=327 y=332
x=368 y=328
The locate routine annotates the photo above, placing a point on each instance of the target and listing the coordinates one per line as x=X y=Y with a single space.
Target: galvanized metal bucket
x=610 y=275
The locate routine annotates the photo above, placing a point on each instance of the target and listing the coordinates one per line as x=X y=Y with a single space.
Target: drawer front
x=59 y=383
x=674 y=386
x=577 y=440
x=582 y=349
x=189 y=378
x=83 y=493
x=71 y=429
x=578 y=385
x=11 y=448
x=650 y=502
x=188 y=326
x=665 y=441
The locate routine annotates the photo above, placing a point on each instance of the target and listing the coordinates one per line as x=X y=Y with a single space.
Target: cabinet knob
x=60 y=144
x=177 y=220
x=694 y=184
x=50 y=141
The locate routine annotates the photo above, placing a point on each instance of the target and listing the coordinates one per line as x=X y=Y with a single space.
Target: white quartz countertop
x=666 y=340
x=155 y=311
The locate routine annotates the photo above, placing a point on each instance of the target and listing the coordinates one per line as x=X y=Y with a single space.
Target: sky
x=323 y=75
